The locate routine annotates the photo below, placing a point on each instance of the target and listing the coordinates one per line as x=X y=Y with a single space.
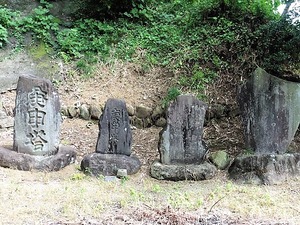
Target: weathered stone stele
x=113 y=150
x=181 y=147
x=115 y=136
x=270 y=108
x=37 y=117
x=181 y=140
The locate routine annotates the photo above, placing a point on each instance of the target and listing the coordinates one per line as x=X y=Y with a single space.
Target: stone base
x=108 y=164
x=174 y=172
x=14 y=160
x=265 y=169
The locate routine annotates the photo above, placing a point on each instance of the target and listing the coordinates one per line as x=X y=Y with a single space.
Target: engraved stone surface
x=113 y=151
x=115 y=136
x=270 y=108
x=182 y=150
x=181 y=140
x=37 y=117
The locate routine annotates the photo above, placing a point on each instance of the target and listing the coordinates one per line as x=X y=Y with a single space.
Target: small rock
x=84 y=112
x=122 y=173
x=130 y=109
x=64 y=111
x=158 y=112
x=143 y=112
x=161 y=122
x=95 y=112
x=137 y=122
x=220 y=159
x=73 y=111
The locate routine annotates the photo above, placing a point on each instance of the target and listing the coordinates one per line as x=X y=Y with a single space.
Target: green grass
x=69 y=196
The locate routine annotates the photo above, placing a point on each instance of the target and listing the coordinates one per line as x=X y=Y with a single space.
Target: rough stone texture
x=140 y=123
x=181 y=140
x=84 y=112
x=108 y=164
x=130 y=110
x=122 y=173
x=11 y=159
x=73 y=111
x=64 y=111
x=220 y=159
x=95 y=112
x=161 y=122
x=143 y=112
x=158 y=112
x=265 y=169
x=270 y=108
x=37 y=117
x=202 y=171
x=115 y=136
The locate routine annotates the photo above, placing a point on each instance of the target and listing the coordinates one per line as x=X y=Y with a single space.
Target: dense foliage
x=197 y=39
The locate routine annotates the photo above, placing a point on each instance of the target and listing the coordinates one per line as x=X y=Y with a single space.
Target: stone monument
x=182 y=150
x=270 y=113
x=36 y=128
x=113 y=150
x=37 y=117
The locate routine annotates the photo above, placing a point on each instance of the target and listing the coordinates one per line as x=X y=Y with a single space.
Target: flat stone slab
x=179 y=172
x=181 y=139
x=11 y=159
x=115 y=135
x=270 y=112
x=108 y=164
x=265 y=169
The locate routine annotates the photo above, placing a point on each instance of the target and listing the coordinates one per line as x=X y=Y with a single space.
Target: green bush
x=278 y=46
x=107 y=9
x=3 y=36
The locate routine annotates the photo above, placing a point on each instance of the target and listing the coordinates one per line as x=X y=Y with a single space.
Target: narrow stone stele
x=113 y=150
x=36 y=129
x=270 y=111
x=182 y=150
x=37 y=117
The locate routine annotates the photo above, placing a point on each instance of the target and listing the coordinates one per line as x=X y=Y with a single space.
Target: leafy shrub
x=41 y=23
x=3 y=36
x=278 y=46
x=107 y=9
x=172 y=94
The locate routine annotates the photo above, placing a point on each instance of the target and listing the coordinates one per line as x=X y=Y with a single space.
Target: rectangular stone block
x=115 y=136
x=181 y=140
x=37 y=117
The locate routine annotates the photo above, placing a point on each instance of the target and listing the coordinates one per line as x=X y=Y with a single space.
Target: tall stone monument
x=36 y=129
x=37 y=117
x=270 y=108
x=113 y=151
x=115 y=136
x=270 y=113
x=182 y=150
